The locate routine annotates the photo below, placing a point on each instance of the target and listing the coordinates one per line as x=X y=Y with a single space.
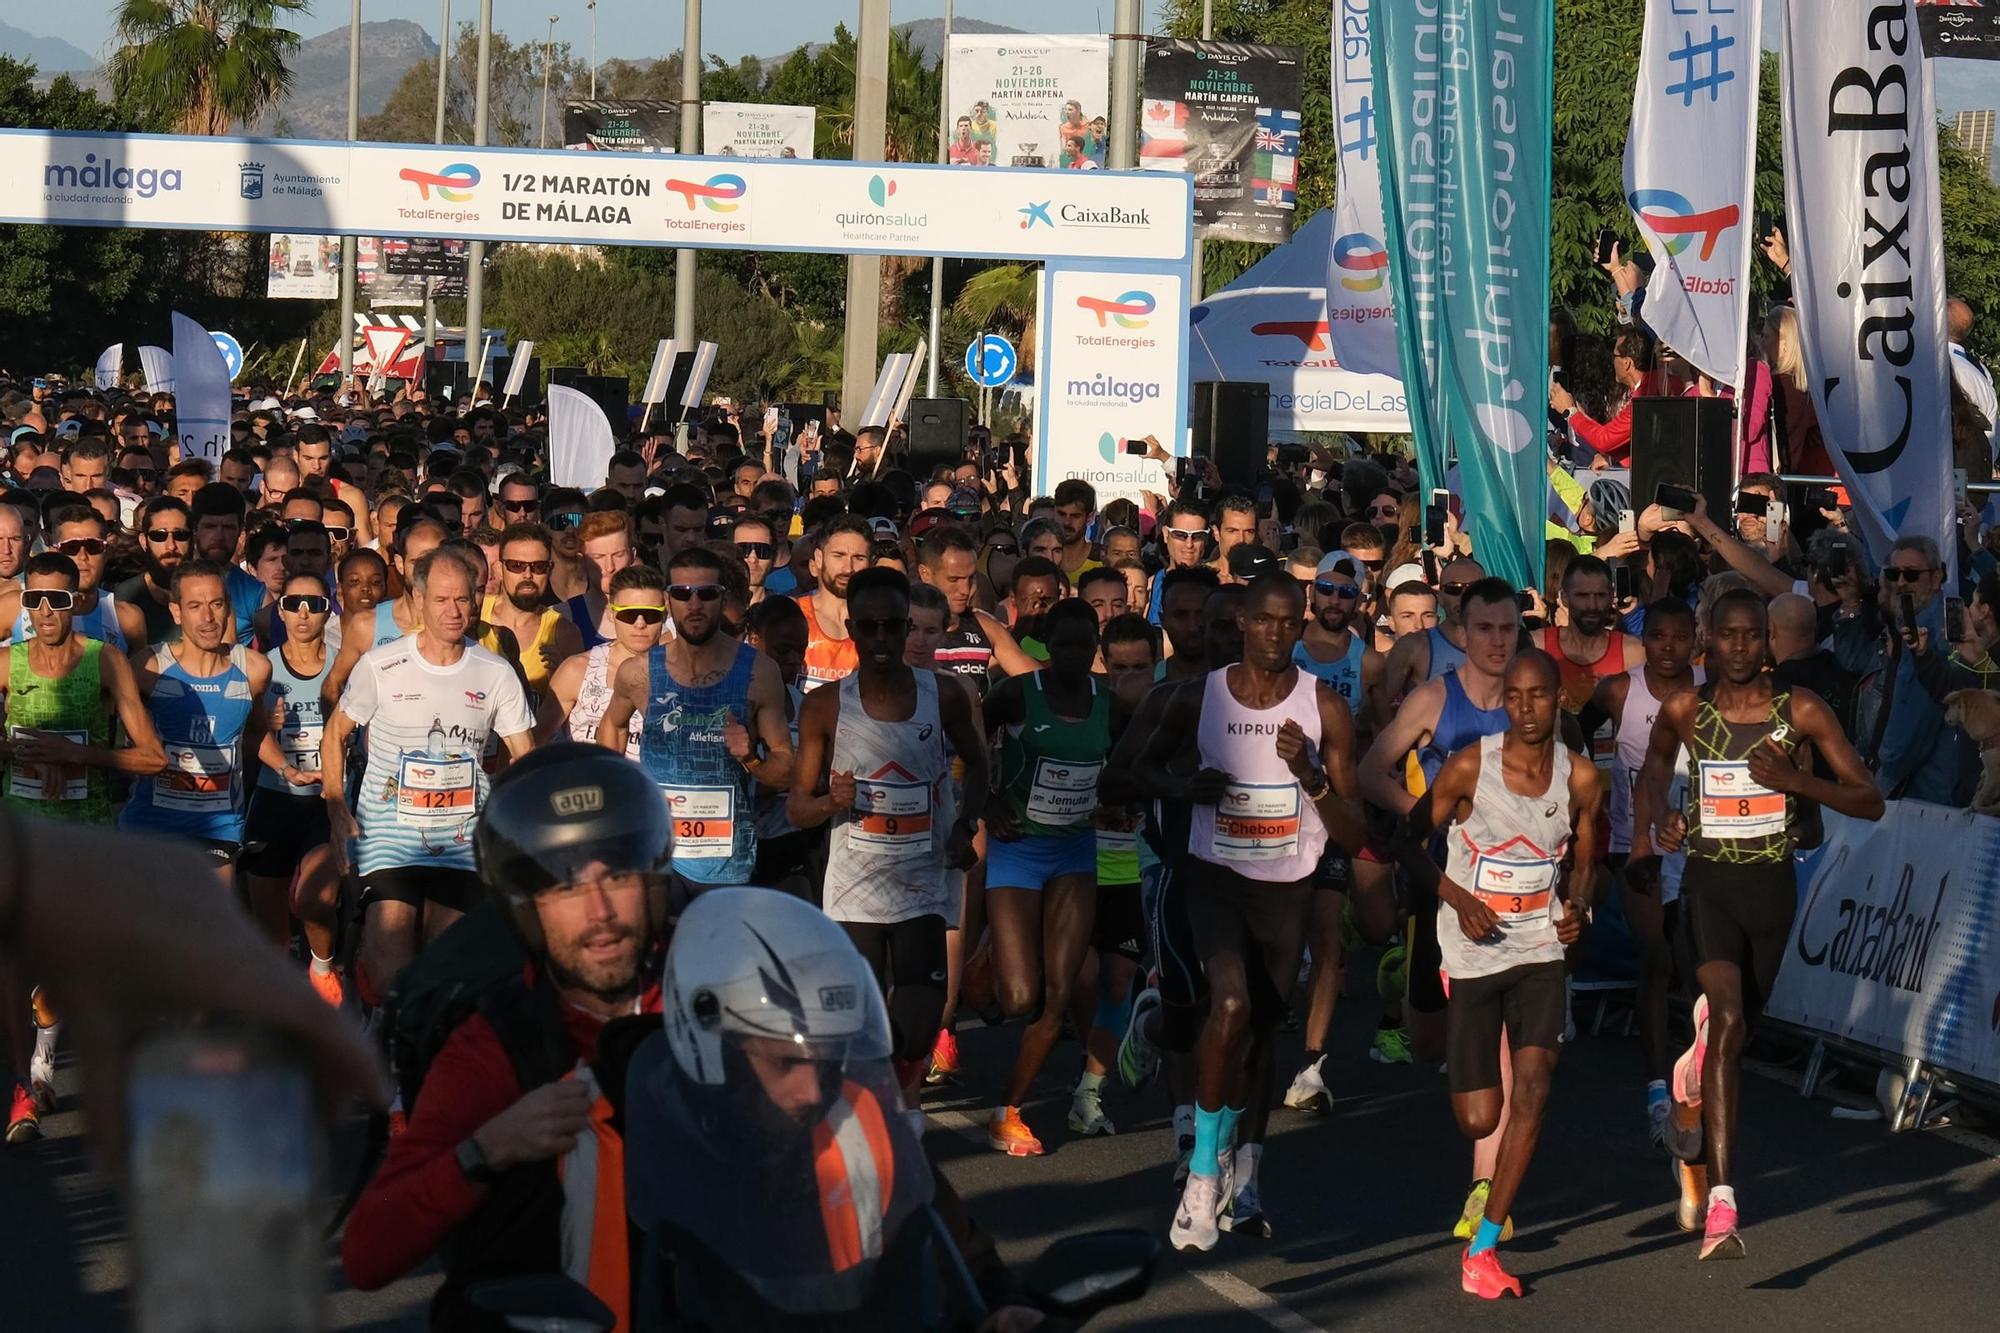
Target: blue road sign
x=991 y=361
x=232 y=352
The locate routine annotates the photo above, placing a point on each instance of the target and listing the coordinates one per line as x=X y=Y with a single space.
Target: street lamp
x=591 y=5
x=548 y=57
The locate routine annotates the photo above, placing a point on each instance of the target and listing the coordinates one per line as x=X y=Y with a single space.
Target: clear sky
x=631 y=28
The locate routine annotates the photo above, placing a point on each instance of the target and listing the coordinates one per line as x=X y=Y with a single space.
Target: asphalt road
x=1847 y=1226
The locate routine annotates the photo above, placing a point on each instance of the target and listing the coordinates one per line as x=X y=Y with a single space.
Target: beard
x=525 y=597
x=693 y=639
x=612 y=979
x=1592 y=623
x=1335 y=620
x=158 y=570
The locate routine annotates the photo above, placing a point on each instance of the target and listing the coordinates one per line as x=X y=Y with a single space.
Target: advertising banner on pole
x=1361 y=318
x=751 y=129
x=1228 y=115
x=157 y=364
x=201 y=391
x=1690 y=161
x=109 y=363
x=639 y=125
x=1867 y=243
x=1469 y=259
x=1967 y=29
x=1029 y=100
x=303 y=267
x=1113 y=368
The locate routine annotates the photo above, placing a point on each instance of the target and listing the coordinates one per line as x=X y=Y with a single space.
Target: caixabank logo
x=99 y=178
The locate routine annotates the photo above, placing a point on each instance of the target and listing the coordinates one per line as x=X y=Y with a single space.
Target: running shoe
x=1693 y=1206
x=1195 y=1221
x=1139 y=1059
x=1086 y=1113
x=24 y=1122
x=1481 y=1275
x=1243 y=1215
x=1183 y=1145
x=1308 y=1091
x=1720 y=1238
x=328 y=985
x=944 y=1057
x=1475 y=1208
x=1659 y=1110
x=1687 y=1070
x=1392 y=1047
x=42 y=1082
x=1010 y=1134
x=1683 y=1131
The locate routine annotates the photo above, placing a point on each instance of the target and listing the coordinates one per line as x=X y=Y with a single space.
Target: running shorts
x=218 y=850
x=288 y=825
x=1030 y=863
x=1526 y=1001
x=1334 y=872
x=908 y=960
x=1740 y=914
x=1120 y=923
x=1250 y=926
x=447 y=886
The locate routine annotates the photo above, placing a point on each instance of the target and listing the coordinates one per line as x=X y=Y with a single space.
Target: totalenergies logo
x=1674 y=220
x=718 y=194
x=1129 y=310
x=1363 y=263
x=1311 y=332
x=453 y=184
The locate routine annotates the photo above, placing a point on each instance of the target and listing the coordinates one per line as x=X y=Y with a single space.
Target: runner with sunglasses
x=1184 y=537
x=165 y=531
x=546 y=636
x=757 y=548
x=713 y=724
x=78 y=532
x=580 y=690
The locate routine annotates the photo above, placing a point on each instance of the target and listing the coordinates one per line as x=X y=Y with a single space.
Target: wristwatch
x=472 y=1163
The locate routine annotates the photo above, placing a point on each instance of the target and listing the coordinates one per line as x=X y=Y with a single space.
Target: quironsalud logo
x=250 y=180
x=880 y=190
x=718 y=194
x=453 y=184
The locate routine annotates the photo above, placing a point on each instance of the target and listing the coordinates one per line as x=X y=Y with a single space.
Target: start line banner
x=507 y=194
x=1894 y=945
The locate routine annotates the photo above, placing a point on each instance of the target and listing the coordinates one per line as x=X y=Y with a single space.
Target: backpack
x=474 y=966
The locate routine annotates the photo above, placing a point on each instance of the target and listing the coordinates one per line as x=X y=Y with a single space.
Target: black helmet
x=564 y=808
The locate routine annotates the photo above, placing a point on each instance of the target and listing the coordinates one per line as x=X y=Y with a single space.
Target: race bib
x=1513 y=889
x=704 y=822
x=48 y=782
x=891 y=818
x=198 y=780
x=1064 y=792
x=434 y=793
x=1257 y=821
x=1118 y=842
x=1733 y=807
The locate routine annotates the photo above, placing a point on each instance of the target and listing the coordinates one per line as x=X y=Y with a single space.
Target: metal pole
x=475 y=259
x=943 y=155
x=1207 y=34
x=1125 y=48
x=864 y=272
x=347 y=242
x=548 y=61
x=437 y=136
x=684 y=260
x=591 y=5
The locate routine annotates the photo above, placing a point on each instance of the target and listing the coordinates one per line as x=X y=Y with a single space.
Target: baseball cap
x=1402 y=574
x=72 y=428
x=1249 y=560
x=1340 y=562
x=927 y=519
x=19 y=432
x=304 y=414
x=884 y=527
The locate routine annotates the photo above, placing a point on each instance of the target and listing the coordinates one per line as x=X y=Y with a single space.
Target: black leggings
x=908 y=960
x=1741 y=914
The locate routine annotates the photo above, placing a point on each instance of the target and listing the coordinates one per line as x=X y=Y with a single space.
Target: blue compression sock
x=1225 y=1139
x=1112 y=1015
x=1485 y=1238
x=1207 y=1136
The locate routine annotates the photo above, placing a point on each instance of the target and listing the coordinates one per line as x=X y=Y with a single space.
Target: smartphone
x=1822 y=499
x=1430 y=559
x=1434 y=516
x=1766 y=223
x=1628 y=521
x=1958 y=480
x=1607 y=240
x=1621 y=584
x=1749 y=502
x=1954 y=619
x=1134 y=448
x=226 y=1164
x=1906 y=613
x=1678 y=498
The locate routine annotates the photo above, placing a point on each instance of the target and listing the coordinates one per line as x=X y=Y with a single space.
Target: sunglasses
x=688 y=592
x=163 y=536
x=309 y=602
x=884 y=625
x=756 y=550
x=1345 y=591
x=536 y=567
x=1453 y=589
x=1892 y=574
x=520 y=506
x=55 y=599
x=563 y=522
x=1187 y=534
x=77 y=546
x=1373 y=566
x=1386 y=511
x=639 y=613
x=1003 y=548
x=339 y=534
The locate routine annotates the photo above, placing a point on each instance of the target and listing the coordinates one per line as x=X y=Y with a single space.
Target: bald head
x=1531 y=666
x=1794 y=626
x=1958 y=319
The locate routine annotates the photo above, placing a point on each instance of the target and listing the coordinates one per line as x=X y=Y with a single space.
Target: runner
x=546 y=636
x=166 y=537
x=788 y=857
x=872 y=760
x=713 y=725
x=363 y=629
x=1418 y=658
x=580 y=690
x=1264 y=807
x=606 y=539
x=1185 y=538
x=205 y=694
x=1752 y=747
x=840 y=551
x=79 y=532
x=974 y=642
x=217 y=513
x=429 y=701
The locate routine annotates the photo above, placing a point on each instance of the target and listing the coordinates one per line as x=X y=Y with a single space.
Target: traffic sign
x=232 y=352
x=991 y=361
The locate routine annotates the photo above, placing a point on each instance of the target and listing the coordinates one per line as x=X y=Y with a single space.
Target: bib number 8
x=1743 y=809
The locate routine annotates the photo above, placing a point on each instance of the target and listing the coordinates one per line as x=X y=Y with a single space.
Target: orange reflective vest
x=595 y=1247
x=856 y=1169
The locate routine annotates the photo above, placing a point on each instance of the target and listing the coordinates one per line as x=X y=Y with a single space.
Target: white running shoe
x=1194 y=1225
x=1308 y=1092
x=1086 y=1113
x=1244 y=1214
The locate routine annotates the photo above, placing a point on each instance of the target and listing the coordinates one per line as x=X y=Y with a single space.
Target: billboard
x=640 y=125
x=389 y=271
x=1026 y=100
x=749 y=129
x=1227 y=114
x=303 y=267
x=1967 y=29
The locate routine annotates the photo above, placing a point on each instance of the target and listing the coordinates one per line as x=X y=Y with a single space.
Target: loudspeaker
x=937 y=433
x=1683 y=442
x=501 y=367
x=1232 y=426
x=610 y=392
x=447 y=377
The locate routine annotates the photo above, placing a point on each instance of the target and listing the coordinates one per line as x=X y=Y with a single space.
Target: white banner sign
x=517 y=367
x=554 y=196
x=201 y=391
x=752 y=129
x=1690 y=161
x=1867 y=247
x=1360 y=324
x=580 y=438
x=1893 y=946
x=109 y=362
x=1029 y=100
x=158 y=365
x=1112 y=368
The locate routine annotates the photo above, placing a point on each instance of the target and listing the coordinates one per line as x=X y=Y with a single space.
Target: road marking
x=1246 y=1297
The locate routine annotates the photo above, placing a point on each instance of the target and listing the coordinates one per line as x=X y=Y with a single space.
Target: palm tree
x=203 y=66
x=1001 y=299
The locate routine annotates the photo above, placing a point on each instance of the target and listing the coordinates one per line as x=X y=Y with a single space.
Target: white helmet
x=761 y=963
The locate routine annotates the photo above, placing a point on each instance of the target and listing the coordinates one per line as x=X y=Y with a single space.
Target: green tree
x=1971 y=205
x=1001 y=300
x=205 y=65
x=514 y=93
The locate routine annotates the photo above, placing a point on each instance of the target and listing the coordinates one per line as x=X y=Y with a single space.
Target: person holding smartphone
x=1906 y=673
x=1633 y=357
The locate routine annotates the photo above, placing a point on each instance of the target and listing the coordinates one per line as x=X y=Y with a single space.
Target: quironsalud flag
x=1464 y=95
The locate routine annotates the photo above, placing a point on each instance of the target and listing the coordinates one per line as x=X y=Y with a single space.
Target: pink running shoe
x=1720 y=1238
x=1687 y=1069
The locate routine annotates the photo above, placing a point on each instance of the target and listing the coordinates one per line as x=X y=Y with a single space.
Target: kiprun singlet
x=1507 y=852
x=1459 y=724
x=299 y=734
x=71 y=706
x=427 y=728
x=885 y=857
x=200 y=720
x=966 y=651
x=1263 y=828
x=1445 y=655
x=708 y=793
x=100 y=623
x=1049 y=765
x=1635 y=735
x=593 y=700
x=827 y=659
x=1343 y=672
x=1731 y=819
